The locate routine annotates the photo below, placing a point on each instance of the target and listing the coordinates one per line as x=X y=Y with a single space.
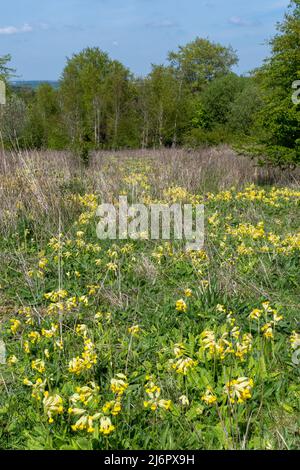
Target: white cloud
x=237 y=20
x=7 y=30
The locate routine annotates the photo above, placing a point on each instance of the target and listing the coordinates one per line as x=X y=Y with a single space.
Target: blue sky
x=40 y=34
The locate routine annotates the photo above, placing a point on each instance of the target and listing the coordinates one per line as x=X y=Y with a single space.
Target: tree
x=84 y=101
x=201 y=61
x=218 y=97
x=165 y=104
x=280 y=117
x=94 y=91
x=5 y=71
x=244 y=109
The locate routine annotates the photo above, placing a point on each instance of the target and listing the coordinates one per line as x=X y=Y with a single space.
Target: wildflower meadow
x=144 y=344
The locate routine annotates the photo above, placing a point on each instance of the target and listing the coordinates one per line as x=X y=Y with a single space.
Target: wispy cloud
x=238 y=21
x=8 y=30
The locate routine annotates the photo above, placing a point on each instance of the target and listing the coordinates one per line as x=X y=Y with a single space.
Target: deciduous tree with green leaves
x=201 y=61
x=280 y=117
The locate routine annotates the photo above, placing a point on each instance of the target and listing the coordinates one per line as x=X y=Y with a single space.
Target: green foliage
x=208 y=137
x=279 y=116
x=201 y=61
x=6 y=72
x=218 y=97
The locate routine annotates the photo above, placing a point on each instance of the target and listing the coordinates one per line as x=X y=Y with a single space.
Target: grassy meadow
x=140 y=344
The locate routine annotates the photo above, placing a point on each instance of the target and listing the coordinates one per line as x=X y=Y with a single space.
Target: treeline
x=194 y=100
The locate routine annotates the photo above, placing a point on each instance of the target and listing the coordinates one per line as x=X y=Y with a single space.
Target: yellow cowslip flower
x=59 y=345
x=179 y=349
x=188 y=292
x=239 y=390
x=15 y=326
x=76 y=411
x=214 y=220
x=230 y=319
x=106 y=426
x=154 y=405
x=255 y=314
x=26 y=347
x=176 y=194
x=209 y=398
x=38 y=365
x=50 y=333
x=152 y=390
x=87 y=360
x=165 y=404
x=71 y=303
x=34 y=337
x=267 y=331
x=134 y=330
x=276 y=317
x=93 y=289
x=113 y=407
x=208 y=341
x=103 y=316
x=43 y=263
x=37 y=387
x=266 y=306
x=184 y=365
x=47 y=354
x=220 y=308
x=84 y=300
x=85 y=422
x=181 y=306
x=184 y=400
x=86 y=394
x=76 y=365
x=12 y=360
x=235 y=332
x=82 y=330
x=113 y=267
x=295 y=340
x=55 y=296
x=53 y=405
x=242 y=249
x=119 y=385
x=89 y=355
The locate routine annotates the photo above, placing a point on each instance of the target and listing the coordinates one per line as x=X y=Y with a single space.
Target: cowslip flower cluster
x=295 y=341
x=53 y=405
x=209 y=397
x=119 y=384
x=106 y=426
x=181 y=306
x=15 y=326
x=88 y=358
x=85 y=421
x=134 y=330
x=38 y=387
x=87 y=396
x=184 y=364
x=239 y=390
x=155 y=402
x=38 y=365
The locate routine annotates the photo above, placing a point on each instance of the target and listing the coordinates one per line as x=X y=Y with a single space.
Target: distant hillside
x=33 y=84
